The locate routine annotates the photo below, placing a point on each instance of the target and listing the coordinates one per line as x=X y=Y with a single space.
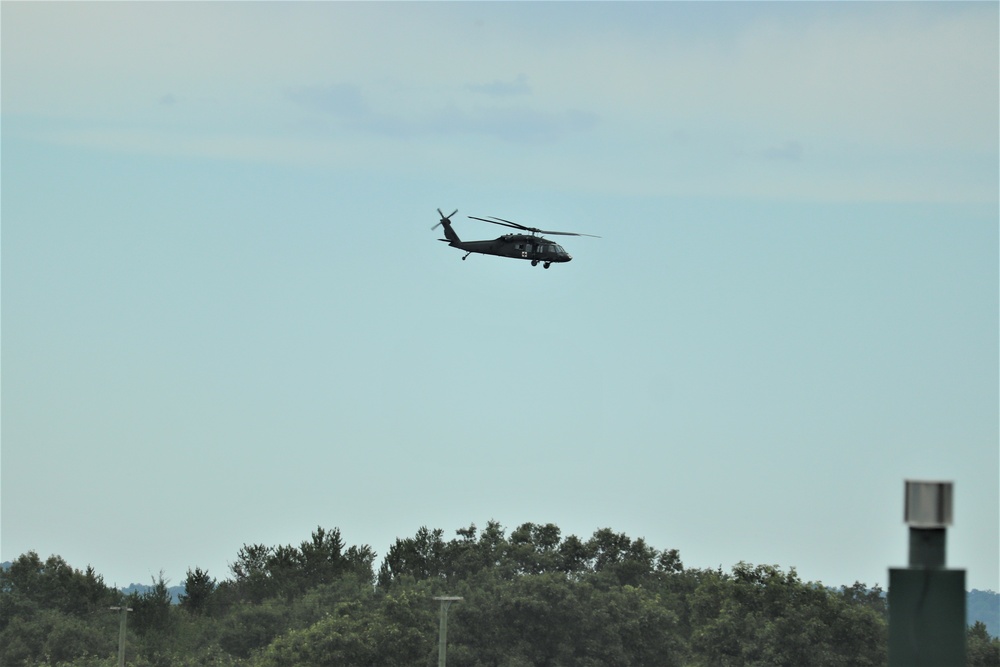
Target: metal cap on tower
x=928 y=504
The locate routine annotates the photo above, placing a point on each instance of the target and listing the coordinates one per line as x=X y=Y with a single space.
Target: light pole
x=121 y=633
x=443 y=628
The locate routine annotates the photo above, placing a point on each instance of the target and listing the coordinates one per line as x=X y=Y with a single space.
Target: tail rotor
x=449 y=233
x=445 y=219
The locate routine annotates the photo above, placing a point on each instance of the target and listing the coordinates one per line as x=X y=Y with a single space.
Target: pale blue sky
x=226 y=319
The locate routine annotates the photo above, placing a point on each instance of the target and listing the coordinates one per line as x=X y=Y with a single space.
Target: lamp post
x=121 y=633
x=927 y=601
x=443 y=627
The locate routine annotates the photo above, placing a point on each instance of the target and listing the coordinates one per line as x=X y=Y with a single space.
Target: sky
x=226 y=320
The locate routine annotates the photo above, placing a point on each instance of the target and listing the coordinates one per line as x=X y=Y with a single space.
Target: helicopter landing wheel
x=546 y=265
x=534 y=262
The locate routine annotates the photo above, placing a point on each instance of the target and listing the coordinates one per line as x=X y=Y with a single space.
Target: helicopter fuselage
x=518 y=246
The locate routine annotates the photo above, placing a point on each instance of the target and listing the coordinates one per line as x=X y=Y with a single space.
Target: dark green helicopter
x=519 y=246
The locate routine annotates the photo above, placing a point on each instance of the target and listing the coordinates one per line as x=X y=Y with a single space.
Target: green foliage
x=982 y=650
x=251 y=627
x=760 y=615
x=31 y=584
x=984 y=606
x=423 y=557
x=150 y=609
x=50 y=611
x=396 y=630
x=252 y=574
x=52 y=636
x=533 y=597
x=261 y=572
x=549 y=619
x=198 y=590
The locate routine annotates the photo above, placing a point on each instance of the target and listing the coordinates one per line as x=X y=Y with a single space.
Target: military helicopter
x=519 y=246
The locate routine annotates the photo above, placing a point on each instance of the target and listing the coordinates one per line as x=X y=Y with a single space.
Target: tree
x=284 y=573
x=198 y=590
x=322 y=557
x=531 y=598
x=574 y=556
x=553 y=620
x=31 y=583
x=669 y=562
x=981 y=649
x=624 y=560
x=251 y=574
x=150 y=609
x=420 y=557
x=396 y=631
x=53 y=637
x=251 y=627
x=871 y=598
x=762 y=615
x=360 y=561
x=534 y=549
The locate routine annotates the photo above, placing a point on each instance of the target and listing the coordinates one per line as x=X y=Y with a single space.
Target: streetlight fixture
x=446 y=601
x=121 y=632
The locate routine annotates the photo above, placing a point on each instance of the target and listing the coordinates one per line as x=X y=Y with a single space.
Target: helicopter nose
x=569 y=257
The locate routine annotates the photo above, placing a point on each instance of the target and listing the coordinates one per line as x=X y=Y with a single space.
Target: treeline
x=530 y=598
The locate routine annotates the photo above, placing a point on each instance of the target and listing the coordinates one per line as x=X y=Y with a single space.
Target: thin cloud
x=339 y=99
x=790 y=150
x=911 y=88
x=346 y=104
x=502 y=88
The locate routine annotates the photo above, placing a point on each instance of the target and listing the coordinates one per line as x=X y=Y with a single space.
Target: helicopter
x=528 y=246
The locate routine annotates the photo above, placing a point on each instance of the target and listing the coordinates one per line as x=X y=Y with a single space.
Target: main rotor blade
x=544 y=231
x=533 y=230
x=516 y=224
x=505 y=223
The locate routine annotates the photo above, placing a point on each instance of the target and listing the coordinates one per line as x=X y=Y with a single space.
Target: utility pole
x=121 y=633
x=927 y=601
x=443 y=628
